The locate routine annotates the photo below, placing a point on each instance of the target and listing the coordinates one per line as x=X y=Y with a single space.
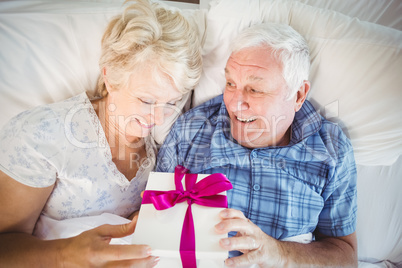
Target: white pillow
x=383 y=12
x=50 y=51
x=384 y=235
x=355 y=73
x=379 y=217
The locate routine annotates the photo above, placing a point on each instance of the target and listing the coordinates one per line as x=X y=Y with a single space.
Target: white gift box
x=161 y=229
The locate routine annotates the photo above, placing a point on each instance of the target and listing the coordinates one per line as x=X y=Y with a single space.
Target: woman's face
x=136 y=108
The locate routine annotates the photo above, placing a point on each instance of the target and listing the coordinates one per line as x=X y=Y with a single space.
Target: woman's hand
x=258 y=247
x=92 y=249
x=134 y=216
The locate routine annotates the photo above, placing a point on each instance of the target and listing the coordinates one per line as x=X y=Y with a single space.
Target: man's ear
x=301 y=94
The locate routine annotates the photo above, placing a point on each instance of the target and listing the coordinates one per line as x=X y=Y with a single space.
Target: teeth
x=144 y=124
x=246 y=120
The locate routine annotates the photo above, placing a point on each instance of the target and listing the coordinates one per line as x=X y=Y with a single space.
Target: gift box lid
x=161 y=229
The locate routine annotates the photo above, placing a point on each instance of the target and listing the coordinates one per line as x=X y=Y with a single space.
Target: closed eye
x=172 y=103
x=147 y=102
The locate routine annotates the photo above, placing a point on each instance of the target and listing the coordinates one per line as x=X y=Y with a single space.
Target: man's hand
x=266 y=251
x=258 y=247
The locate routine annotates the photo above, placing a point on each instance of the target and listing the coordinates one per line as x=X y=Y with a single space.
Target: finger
x=125 y=252
x=134 y=221
x=133 y=215
x=245 y=260
x=231 y=213
x=116 y=231
x=149 y=262
x=241 y=243
x=244 y=226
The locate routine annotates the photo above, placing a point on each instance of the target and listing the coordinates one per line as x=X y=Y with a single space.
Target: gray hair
x=149 y=34
x=288 y=46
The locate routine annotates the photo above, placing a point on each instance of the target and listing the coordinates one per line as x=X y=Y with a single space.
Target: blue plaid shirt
x=307 y=185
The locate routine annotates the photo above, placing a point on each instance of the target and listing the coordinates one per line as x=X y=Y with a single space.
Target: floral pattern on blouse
x=63 y=144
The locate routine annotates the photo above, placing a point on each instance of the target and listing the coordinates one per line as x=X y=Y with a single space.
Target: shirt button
x=256 y=187
x=253 y=154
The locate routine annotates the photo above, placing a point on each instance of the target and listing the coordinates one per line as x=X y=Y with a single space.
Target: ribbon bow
x=204 y=193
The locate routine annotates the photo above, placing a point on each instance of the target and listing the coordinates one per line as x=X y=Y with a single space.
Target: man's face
x=256 y=97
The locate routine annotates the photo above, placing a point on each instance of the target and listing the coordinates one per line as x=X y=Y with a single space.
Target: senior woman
x=82 y=157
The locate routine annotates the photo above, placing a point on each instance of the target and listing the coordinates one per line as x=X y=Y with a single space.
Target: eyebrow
x=255 y=78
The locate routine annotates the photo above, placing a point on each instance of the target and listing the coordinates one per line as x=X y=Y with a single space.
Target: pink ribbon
x=204 y=193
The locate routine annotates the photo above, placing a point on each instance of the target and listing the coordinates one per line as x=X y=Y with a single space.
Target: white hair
x=147 y=34
x=288 y=46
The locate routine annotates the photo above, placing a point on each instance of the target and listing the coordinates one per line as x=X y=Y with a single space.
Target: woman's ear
x=107 y=87
x=302 y=95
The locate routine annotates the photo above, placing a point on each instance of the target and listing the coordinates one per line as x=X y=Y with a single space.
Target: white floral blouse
x=64 y=144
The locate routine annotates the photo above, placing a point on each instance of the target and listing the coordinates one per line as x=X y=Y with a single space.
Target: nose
x=238 y=102
x=159 y=115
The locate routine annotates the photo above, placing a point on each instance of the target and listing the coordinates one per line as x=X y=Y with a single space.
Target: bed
x=49 y=51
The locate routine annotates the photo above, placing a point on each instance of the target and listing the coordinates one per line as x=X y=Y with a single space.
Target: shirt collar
x=223 y=146
x=306 y=123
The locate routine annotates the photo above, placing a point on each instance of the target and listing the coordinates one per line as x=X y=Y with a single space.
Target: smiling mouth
x=144 y=125
x=246 y=120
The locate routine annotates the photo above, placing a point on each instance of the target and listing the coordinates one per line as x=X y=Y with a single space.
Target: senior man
x=293 y=172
